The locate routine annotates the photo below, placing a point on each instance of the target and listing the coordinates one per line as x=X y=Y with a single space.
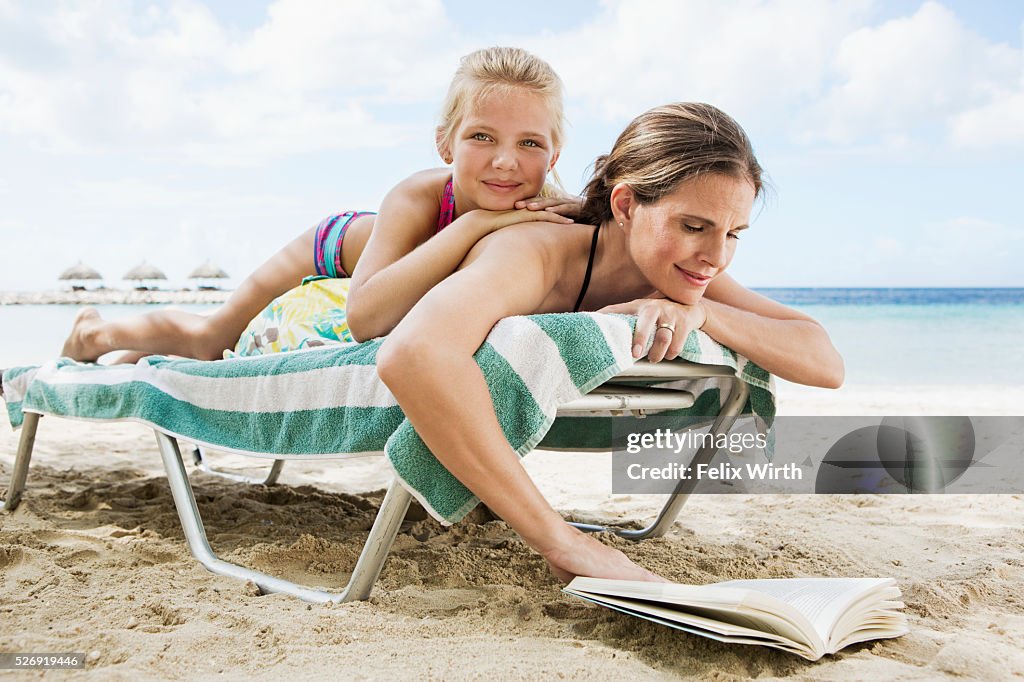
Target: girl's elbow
x=357 y=333
x=358 y=325
x=364 y=327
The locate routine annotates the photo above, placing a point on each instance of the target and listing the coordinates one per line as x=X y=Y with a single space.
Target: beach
x=790 y=164
x=94 y=561
x=113 y=297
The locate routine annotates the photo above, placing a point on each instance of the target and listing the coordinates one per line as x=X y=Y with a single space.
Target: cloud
x=751 y=58
x=173 y=83
x=961 y=251
x=826 y=74
x=911 y=74
x=996 y=125
x=119 y=222
x=384 y=48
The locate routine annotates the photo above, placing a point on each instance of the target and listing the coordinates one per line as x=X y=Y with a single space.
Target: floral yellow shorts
x=310 y=315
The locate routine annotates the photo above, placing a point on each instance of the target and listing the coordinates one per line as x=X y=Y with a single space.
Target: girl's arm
x=787 y=343
x=427 y=362
x=403 y=258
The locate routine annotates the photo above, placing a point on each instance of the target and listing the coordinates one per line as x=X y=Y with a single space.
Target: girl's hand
x=484 y=222
x=569 y=207
x=664 y=319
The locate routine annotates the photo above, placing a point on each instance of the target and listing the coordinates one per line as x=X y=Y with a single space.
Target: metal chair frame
x=611 y=397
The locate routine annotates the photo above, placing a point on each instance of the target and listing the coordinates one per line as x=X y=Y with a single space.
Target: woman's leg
x=176 y=332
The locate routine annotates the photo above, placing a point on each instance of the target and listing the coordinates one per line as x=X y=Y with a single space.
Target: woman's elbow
x=835 y=374
x=391 y=361
x=402 y=361
x=830 y=371
x=827 y=369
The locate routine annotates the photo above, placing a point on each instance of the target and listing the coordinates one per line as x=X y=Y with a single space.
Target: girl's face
x=687 y=238
x=502 y=151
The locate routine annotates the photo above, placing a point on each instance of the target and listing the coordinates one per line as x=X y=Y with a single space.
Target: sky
x=175 y=132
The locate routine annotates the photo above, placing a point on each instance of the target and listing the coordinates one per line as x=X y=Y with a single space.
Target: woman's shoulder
x=555 y=243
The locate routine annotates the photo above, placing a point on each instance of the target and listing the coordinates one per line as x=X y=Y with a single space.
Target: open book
x=810 y=617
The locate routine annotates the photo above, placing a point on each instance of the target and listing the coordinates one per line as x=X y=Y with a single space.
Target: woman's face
x=688 y=237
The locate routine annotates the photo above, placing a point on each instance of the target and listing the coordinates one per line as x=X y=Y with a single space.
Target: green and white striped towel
x=329 y=401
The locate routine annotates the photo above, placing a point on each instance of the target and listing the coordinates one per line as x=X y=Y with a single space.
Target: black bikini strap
x=590 y=267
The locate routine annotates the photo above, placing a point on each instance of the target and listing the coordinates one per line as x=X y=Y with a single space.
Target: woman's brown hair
x=664 y=147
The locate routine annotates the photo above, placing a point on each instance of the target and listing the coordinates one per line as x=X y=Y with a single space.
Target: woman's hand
x=664 y=319
x=569 y=207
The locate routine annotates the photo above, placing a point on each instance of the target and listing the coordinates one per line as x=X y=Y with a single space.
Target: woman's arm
x=403 y=259
x=428 y=364
x=787 y=343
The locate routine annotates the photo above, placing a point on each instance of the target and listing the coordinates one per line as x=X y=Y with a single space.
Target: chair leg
x=677 y=499
x=726 y=418
x=367 y=569
x=199 y=459
x=20 y=473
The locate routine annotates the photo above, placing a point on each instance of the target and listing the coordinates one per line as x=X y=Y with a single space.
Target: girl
x=669 y=203
x=501 y=130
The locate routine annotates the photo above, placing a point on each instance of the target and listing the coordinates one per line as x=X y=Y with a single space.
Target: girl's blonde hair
x=497 y=70
x=664 y=147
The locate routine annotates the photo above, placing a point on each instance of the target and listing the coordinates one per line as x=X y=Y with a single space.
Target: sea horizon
x=887 y=335
x=760 y=289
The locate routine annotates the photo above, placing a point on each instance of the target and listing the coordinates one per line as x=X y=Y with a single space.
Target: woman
x=669 y=203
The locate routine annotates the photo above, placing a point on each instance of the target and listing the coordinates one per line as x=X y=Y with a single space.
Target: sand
x=94 y=561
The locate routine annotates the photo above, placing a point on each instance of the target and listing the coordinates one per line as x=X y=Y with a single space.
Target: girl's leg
x=176 y=332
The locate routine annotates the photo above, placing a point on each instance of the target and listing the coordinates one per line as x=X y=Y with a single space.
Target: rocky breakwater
x=112 y=296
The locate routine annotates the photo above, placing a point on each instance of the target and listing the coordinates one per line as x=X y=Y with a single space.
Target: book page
x=724 y=604
x=822 y=600
x=693 y=623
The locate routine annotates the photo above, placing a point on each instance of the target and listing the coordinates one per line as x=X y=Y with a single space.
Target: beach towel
x=329 y=401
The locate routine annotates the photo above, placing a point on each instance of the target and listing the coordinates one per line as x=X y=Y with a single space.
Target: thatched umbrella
x=78 y=273
x=144 y=272
x=206 y=272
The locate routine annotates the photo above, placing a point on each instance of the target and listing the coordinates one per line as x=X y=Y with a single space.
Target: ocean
x=888 y=337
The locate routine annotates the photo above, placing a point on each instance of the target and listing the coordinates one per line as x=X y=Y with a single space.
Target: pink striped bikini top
x=447 y=214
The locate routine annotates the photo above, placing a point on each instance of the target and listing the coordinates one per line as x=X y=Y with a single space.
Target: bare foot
x=585 y=555
x=78 y=345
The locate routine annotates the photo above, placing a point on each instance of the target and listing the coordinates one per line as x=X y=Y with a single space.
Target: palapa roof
x=80 y=271
x=145 y=271
x=208 y=271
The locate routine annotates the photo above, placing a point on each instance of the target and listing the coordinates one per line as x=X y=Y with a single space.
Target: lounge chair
x=613 y=394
